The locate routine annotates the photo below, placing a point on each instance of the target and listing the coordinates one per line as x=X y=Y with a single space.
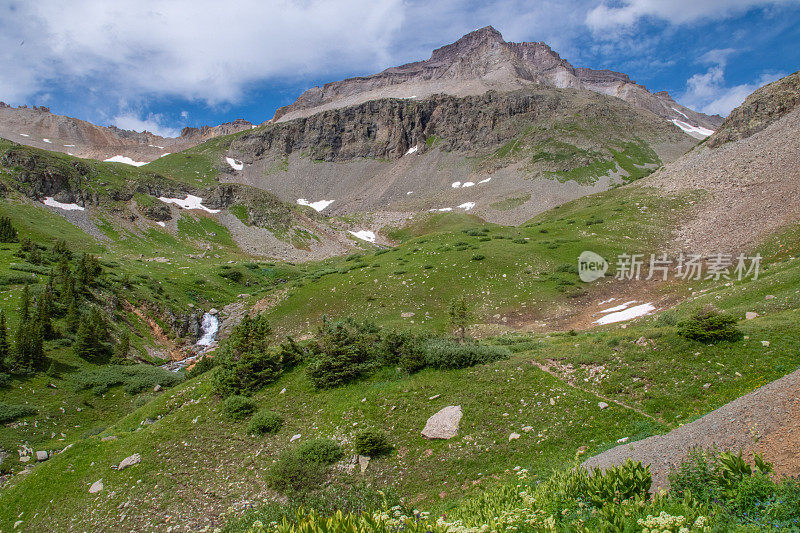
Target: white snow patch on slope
x=442 y=210
x=487 y=180
x=627 y=314
x=125 y=159
x=235 y=165
x=66 y=207
x=316 y=206
x=618 y=307
x=456 y=184
x=190 y=202
x=681 y=112
x=694 y=131
x=467 y=184
x=165 y=154
x=410 y=192
x=467 y=206
x=24 y=135
x=364 y=235
x=69 y=146
x=412 y=150
x=48 y=141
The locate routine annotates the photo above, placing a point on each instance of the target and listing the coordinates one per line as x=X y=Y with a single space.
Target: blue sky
x=162 y=65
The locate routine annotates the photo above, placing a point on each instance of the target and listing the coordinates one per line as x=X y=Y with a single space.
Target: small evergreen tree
x=73 y=318
x=3 y=342
x=91 y=339
x=460 y=315
x=123 y=346
x=44 y=312
x=7 y=231
x=28 y=353
x=25 y=305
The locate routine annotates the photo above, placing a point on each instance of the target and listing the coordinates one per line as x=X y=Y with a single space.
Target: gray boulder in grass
x=444 y=424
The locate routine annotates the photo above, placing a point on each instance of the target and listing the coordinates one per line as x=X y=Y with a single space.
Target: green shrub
x=343 y=351
x=372 y=442
x=696 y=475
x=446 y=354
x=667 y=318
x=246 y=360
x=478 y=257
x=238 y=407
x=265 y=422
x=202 y=366
x=5 y=379
x=320 y=451
x=291 y=474
x=9 y=413
x=619 y=483
x=132 y=378
x=710 y=326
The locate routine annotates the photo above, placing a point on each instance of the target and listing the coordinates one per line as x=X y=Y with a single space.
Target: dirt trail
x=766 y=420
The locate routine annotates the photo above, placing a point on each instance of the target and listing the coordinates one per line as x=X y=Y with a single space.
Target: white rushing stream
x=210 y=326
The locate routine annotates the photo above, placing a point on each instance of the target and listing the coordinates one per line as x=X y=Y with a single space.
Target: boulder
x=134 y=459
x=42 y=455
x=444 y=424
x=750 y=315
x=602 y=405
x=513 y=436
x=96 y=487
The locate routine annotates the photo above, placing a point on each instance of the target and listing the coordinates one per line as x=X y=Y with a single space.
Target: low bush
x=132 y=378
x=238 y=407
x=5 y=379
x=343 y=351
x=372 y=442
x=448 y=354
x=9 y=413
x=265 y=422
x=321 y=451
x=202 y=366
x=666 y=319
x=710 y=326
x=291 y=474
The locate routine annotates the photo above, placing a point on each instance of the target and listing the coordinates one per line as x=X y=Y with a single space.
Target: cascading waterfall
x=209 y=326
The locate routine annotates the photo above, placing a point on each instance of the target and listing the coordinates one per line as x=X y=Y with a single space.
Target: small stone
x=602 y=405
x=213 y=311
x=769 y=297
x=283 y=391
x=108 y=438
x=552 y=401
x=764 y=343
x=750 y=315
x=363 y=462
x=134 y=459
x=622 y=440
x=42 y=455
x=707 y=385
x=24 y=458
x=514 y=436
x=295 y=437
x=17 y=524
x=526 y=429
x=407 y=314
x=582 y=450
x=96 y=487
x=434 y=396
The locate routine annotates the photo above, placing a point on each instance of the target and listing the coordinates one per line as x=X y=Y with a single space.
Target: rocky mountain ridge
x=482 y=61
x=38 y=127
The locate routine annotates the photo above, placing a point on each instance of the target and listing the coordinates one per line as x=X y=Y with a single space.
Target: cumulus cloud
x=154 y=123
x=708 y=91
x=194 y=49
x=629 y=12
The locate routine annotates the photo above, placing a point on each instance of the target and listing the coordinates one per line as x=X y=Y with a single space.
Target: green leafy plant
x=372 y=442
x=709 y=326
x=238 y=407
x=322 y=451
x=265 y=422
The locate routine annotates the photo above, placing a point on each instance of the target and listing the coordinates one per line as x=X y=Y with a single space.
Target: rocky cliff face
x=39 y=128
x=759 y=110
x=482 y=61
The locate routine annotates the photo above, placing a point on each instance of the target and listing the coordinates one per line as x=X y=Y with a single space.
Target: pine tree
x=72 y=320
x=460 y=315
x=91 y=340
x=123 y=346
x=44 y=313
x=28 y=353
x=3 y=342
x=7 y=231
x=25 y=305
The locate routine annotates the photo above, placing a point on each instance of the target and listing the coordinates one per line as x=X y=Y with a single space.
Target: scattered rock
x=213 y=311
x=444 y=424
x=642 y=341
x=363 y=461
x=622 y=440
x=434 y=396
x=134 y=459
x=96 y=487
x=17 y=524
x=769 y=297
x=407 y=314
x=706 y=385
x=24 y=458
x=42 y=455
x=527 y=428
x=750 y=315
x=514 y=436
x=602 y=405
x=764 y=343
x=295 y=437
x=582 y=450
x=552 y=401
x=283 y=391
x=108 y=438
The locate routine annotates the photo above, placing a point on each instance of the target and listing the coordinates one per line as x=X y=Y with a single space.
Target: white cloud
x=194 y=49
x=708 y=92
x=154 y=123
x=678 y=12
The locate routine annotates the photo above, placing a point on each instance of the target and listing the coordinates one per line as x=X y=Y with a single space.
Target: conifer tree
x=7 y=231
x=3 y=342
x=25 y=305
x=44 y=312
x=123 y=346
x=91 y=339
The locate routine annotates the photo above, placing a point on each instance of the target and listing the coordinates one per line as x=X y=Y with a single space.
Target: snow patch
x=694 y=131
x=442 y=210
x=467 y=184
x=190 y=202
x=66 y=207
x=412 y=150
x=679 y=111
x=316 y=206
x=24 y=135
x=466 y=206
x=162 y=224
x=69 y=146
x=235 y=165
x=364 y=235
x=125 y=159
x=165 y=155
x=487 y=180
x=456 y=184
x=618 y=307
x=48 y=141
x=410 y=192
x=627 y=314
